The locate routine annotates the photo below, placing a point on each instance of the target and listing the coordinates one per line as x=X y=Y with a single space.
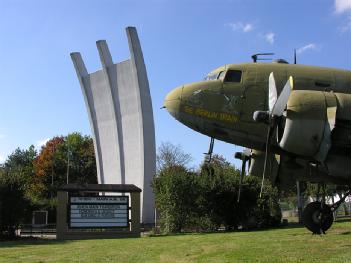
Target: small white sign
x=100 y=199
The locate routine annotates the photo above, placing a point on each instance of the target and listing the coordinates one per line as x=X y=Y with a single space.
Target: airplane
x=294 y=121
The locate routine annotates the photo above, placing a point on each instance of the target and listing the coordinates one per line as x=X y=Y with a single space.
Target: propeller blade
x=272 y=92
x=247 y=152
x=249 y=164
x=283 y=98
x=242 y=174
x=269 y=135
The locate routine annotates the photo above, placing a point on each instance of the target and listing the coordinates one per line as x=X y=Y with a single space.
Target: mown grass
x=290 y=244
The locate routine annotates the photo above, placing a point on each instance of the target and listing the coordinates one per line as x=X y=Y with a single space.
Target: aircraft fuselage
x=222 y=106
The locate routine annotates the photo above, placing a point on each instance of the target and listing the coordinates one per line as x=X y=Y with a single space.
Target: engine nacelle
x=257 y=164
x=278 y=170
x=307 y=130
x=310 y=118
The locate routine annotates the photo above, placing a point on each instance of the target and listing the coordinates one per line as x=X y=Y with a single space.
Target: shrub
x=175 y=192
x=14 y=207
x=206 y=200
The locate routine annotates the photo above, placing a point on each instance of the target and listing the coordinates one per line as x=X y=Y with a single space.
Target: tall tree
x=49 y=170
x=170 y=155
x=78 y=152
x=20 y=164
x=64 y=159
x=15 y=178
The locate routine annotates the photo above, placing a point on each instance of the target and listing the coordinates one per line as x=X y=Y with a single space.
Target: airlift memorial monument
x=119 y=107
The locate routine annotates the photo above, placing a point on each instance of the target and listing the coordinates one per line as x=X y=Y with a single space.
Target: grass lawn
x=290 y=244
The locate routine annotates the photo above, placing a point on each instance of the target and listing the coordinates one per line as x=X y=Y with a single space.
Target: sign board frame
x=34 y=221
x=63 y=232
x=96 y=202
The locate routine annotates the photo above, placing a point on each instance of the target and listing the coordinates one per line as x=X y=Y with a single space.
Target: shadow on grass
x=289 y=226
x=22 y=242
x=343 y=219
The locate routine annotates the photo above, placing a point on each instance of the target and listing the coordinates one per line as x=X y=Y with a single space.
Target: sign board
x=40 y=218
x=98 y=211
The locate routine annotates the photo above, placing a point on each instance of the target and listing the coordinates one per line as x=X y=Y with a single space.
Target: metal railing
x=37 y=230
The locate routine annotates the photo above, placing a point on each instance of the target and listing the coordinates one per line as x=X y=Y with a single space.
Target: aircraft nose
x=172 y=101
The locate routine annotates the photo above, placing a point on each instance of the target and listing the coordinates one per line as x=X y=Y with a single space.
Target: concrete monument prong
x=119 y=107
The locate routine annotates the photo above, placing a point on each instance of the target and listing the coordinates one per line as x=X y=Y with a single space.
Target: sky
x=182 y=40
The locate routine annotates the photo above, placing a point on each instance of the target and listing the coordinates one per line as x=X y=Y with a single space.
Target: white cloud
x=311 y=46
x=42 y=142
x=342 y=6
x=270 y=37
x=248 y=28
x=240 y=26
x=2 y=136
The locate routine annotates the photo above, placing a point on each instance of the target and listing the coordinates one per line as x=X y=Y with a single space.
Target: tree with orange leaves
x=63 y=159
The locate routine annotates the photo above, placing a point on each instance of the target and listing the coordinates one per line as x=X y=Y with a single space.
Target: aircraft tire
x=317 y=219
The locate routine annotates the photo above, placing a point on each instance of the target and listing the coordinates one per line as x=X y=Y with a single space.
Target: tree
x=49 y=171
x=78 y=153
x=175 y=192
x=64 y=159
x=20 y=164
x=30 y=181
x=218 y=165
x=170 y=155
x=15 y=178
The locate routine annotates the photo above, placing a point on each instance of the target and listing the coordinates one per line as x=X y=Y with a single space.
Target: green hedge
x=207 y=200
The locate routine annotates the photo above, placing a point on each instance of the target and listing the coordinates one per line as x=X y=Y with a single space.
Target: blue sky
x=181 y=40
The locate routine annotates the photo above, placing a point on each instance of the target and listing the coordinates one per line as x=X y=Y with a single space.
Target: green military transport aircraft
x=295 y=119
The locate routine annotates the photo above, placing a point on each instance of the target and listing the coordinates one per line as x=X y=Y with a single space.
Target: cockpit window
x=212 y=76
x=233 y=76
x=221 y=75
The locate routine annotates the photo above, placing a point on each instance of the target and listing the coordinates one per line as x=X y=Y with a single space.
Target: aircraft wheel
x=317 y=219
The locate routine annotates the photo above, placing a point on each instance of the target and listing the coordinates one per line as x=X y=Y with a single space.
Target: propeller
x=276 y=107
